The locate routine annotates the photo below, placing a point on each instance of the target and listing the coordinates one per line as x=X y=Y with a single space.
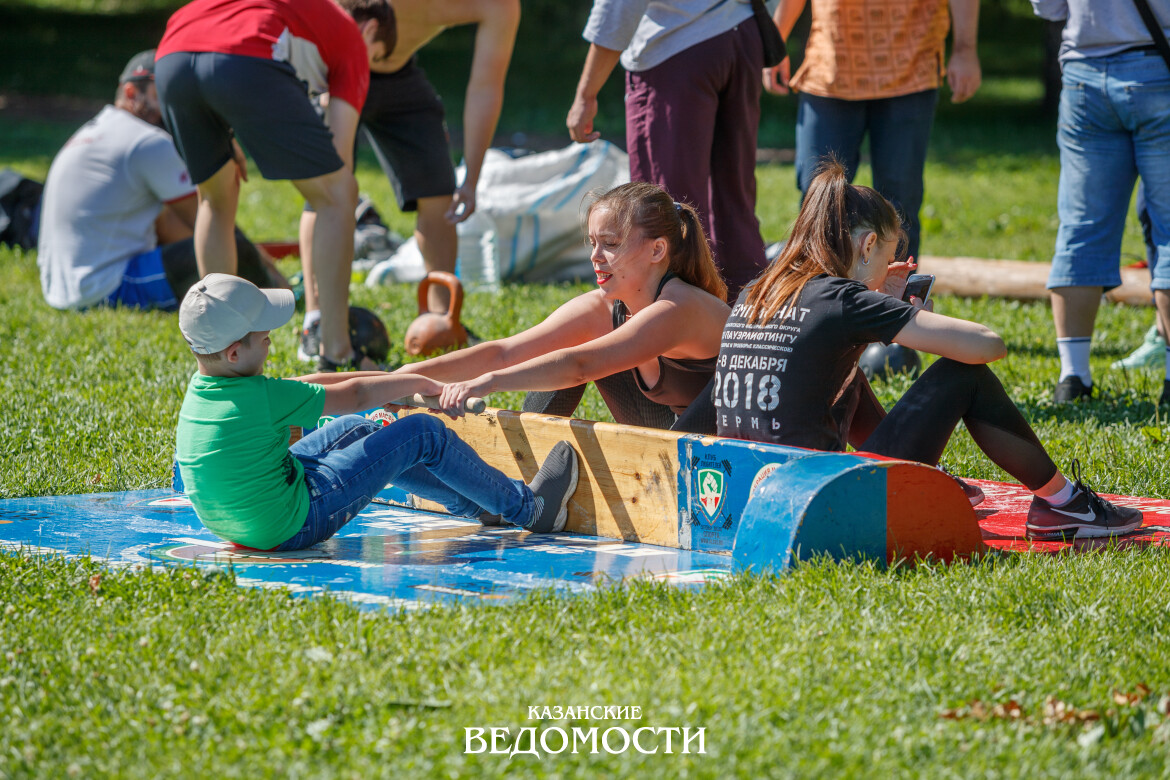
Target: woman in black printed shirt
x=787 y=369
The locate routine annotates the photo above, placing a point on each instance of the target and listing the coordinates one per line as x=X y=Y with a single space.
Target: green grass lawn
x=1012 y=666
x=831 y=670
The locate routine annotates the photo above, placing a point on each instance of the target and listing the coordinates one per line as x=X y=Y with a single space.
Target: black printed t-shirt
x=785 y=381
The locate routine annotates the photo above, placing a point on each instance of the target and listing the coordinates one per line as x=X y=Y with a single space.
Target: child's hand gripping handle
x=473 y=405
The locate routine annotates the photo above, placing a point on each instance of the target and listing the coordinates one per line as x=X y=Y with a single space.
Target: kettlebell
x=880 y=362
x=430 y=331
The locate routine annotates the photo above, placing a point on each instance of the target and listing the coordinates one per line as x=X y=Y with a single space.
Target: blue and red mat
x=387 y=556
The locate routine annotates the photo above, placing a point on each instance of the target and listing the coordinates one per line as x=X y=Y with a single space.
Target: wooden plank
x=853 y=507
x=628 y=483
x=975 y=277
x=695 y=492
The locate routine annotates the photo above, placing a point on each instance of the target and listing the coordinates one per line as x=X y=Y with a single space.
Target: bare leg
x=439 y=244
x=308 y=220
x=169 y=227
x=215 y=222
x=1074 y=310
x=333 y=198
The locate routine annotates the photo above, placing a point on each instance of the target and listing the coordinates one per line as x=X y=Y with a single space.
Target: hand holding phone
x=919 y=286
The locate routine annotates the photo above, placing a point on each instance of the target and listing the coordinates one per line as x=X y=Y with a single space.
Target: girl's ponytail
x=821 y=241
x=693 y=262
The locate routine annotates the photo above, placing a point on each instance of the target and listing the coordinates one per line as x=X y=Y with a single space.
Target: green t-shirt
x=232 y=447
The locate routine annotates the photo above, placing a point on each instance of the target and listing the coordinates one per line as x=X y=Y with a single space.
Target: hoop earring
x=865 y=259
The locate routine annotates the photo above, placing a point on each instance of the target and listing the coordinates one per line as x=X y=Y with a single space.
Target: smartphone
x=918 y=285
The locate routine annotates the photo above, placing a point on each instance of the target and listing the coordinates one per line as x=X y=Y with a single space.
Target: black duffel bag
x=20 y=200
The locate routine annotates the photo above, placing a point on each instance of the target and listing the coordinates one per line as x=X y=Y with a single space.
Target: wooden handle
x=473 y=405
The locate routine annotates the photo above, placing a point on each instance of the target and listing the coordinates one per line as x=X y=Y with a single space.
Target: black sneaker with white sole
x=552 y=487
x=310 y=346
x=1071 y=389
x=1085 y=516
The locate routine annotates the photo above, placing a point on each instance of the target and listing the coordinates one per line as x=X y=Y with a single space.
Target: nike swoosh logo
x=1088 y=517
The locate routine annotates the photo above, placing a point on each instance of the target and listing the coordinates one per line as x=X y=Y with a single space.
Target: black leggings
x=182 y=270
x=628 y=405
x=922 y=421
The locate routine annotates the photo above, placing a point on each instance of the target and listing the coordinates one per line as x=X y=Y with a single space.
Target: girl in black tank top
x=679 y=380
x=641 y=240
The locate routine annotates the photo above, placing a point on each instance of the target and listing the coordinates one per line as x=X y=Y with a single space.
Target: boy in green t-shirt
x=249 y=487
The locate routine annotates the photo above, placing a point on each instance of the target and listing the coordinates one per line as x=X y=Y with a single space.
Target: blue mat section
x=387 y=556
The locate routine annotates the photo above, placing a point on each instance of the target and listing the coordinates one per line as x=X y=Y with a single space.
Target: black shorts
x=404 y=121
x=206 y=97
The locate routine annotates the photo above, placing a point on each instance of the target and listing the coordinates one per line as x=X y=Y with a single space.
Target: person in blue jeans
x=1113 y=126
x=874 y=69
x=249 y=487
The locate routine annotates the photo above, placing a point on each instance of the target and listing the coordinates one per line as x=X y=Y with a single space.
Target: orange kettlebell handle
x=452 y=283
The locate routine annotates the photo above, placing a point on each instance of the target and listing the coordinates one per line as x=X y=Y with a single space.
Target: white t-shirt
x=105 y=189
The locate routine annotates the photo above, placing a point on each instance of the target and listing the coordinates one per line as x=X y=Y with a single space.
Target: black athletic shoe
x=1070 y=389
x=974 y=493
x=327 y=366
x=310 y=346
x=1086 y=516
x=1165 y=399
x=553 y=485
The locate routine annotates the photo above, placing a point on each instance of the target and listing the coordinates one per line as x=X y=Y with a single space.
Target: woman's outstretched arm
x=579 y=320
x=665 y=326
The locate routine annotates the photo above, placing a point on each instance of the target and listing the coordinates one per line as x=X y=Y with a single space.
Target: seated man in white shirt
x=118 y=211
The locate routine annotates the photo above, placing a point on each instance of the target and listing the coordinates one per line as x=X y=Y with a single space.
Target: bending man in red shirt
x=248 y=69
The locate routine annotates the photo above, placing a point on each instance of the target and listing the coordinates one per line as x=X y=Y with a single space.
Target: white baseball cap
x=221 y=309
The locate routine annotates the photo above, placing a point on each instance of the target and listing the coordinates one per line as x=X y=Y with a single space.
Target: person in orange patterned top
x=873 y=67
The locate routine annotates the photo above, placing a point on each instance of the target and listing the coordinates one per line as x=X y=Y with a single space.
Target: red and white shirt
x=317 y=37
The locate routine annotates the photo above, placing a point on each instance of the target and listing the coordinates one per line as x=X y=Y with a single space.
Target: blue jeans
x=899 y=133
x=352 y=458
x=1114 y=126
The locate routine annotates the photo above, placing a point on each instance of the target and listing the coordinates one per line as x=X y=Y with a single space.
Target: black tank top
x=679 y=381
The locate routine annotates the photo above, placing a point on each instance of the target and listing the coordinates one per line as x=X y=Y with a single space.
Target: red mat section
x=1002 y=517
x=279 y=249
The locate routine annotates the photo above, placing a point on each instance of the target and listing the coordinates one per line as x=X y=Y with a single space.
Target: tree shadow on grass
x=1108 y=407
x=1048 y=350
